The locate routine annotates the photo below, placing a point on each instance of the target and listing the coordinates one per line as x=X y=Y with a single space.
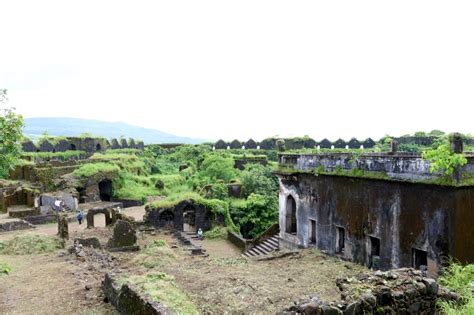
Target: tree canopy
x=11 y=125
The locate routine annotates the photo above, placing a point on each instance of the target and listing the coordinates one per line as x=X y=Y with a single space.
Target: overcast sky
x=240 y=69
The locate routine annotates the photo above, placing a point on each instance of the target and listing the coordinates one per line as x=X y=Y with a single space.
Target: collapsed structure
x=383 y=210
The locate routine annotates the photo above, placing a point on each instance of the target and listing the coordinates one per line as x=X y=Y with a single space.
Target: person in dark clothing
x=80 y=217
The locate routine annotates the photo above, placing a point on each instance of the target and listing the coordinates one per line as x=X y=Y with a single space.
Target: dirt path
x=48 y=284
x=52 y=283
x=52 y=228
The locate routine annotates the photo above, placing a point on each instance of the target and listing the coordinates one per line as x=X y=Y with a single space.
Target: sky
x=244 y=69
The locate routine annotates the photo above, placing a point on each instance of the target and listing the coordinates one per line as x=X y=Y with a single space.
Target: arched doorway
x=291 y=226
x=106 y=190
x=72 y=147
x=189 y=219
x=98 y=147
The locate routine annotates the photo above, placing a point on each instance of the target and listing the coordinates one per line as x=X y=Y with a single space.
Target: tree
x=217 y=168
x=258 y=179
x=441 y=158
x=11 y=126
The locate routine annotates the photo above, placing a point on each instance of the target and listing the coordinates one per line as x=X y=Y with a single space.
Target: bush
x=219 y=191
x=217 y=167
x=5 y=268
x=256 y=214
x=216 y=232
x=442 y=159
x=258 y=179
x=459 y=279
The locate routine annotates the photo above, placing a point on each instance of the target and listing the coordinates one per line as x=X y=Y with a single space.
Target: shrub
x=219 y=191
x=258 y=179
x=442 y=159
x=256 y=214
x=459 y=279
x=5 y=268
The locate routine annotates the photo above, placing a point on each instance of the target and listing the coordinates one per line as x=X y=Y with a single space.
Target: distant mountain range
x=35 y=127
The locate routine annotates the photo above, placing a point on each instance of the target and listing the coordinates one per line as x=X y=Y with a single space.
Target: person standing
x=80 y=217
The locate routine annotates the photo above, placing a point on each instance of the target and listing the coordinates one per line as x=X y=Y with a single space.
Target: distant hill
x=35 y=127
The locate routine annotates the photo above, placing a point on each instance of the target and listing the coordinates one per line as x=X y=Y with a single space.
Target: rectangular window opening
x=340 y=239
x=374 y=261
x=312 y=235
x=420 y=258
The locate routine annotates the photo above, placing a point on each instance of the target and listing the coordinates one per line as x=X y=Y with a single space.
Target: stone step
x=265 y=247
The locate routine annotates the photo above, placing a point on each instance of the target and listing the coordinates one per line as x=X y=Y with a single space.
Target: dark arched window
x=291 y=226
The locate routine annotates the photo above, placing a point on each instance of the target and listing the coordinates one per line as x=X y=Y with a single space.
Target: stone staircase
x=264 y=248
x=186 y=239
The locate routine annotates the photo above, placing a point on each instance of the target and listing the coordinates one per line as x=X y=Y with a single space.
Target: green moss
x=92 y=169
x=162 y=288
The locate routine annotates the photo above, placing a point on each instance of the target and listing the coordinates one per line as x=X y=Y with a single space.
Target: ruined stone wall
x=402 y=216
x=87 y=144
x=399 y=166
x=204 y=217
x=402 y=291
x=295 y=144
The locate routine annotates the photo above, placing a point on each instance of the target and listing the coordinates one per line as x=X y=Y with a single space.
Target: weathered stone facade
x=86 y=144
x=187 y=212
x=399 y=220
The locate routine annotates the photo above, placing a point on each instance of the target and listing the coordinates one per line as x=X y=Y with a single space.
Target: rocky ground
x=65 y=283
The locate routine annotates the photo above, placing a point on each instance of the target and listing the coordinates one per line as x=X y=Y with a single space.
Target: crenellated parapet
x=295 y=144
x=85 y=144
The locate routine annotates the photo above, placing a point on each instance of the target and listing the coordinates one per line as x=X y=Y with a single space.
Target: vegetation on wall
x=442 y=159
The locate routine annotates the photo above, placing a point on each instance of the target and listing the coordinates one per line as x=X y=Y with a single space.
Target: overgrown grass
x=134 y=187
x=216 y=232
x=155 y=254
x=123 y=151
x=91 y=169
x=169 y=180
x=459 y=279
x=30 y=244
x=162 y=288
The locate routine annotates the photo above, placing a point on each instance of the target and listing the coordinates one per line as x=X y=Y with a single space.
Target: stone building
x=381 y=210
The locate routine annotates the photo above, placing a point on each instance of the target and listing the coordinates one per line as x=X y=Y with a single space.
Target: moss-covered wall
x=402 y=215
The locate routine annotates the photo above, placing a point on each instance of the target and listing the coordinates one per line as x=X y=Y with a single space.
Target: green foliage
x=459 y=279
x=219 y=191
x=11 y=126
x=5 y=268
x=257 y=213
x=436 y=133
x=216 y=167
x=216 y=232
x=91 y=169
x=420 y=134
x=258 y=179
x=30 y=244
x=410 y=147
x=442 y=159
x=162 y=288
x=215 y=205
